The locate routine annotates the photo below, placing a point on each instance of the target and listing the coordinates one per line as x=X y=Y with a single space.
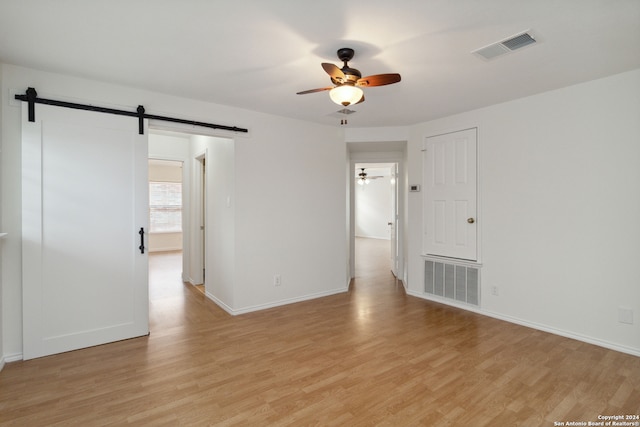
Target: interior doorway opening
x=166 y=231
x=208 y=194
x=375 y=217
x=392 y=154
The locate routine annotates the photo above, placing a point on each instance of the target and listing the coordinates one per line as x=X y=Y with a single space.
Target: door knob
x=471 y=220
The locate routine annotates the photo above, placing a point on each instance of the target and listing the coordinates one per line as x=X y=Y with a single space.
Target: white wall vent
x=507 y=45
x=451 y=281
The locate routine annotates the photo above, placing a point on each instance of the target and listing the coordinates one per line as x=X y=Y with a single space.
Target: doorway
x=208 y=192
x=375 y=212
x=392 y=157
x=166 y=226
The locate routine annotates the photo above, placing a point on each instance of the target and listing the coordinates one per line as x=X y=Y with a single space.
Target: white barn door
x=450 y=195
x=85 y=199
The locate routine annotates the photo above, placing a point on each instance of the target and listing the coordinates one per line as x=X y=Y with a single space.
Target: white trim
x=16 y=357
x=165 y=249
x=446 y=132
x=454 y=261
x=235 y=312
x=533 y=325
x=374 y=237
x=188 y=129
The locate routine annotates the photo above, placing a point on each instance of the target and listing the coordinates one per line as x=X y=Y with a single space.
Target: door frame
x=378 y=157
x=478 y=236
x=200 y=160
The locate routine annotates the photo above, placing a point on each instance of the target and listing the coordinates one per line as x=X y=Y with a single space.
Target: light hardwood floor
x=372 y=356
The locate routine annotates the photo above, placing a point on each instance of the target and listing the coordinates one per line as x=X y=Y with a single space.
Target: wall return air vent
x=505 y=46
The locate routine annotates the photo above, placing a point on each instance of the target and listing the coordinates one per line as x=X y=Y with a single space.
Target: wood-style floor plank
x=372 y=356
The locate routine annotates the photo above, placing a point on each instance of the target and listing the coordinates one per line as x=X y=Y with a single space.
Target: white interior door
x=450 y=195
x=85 y=199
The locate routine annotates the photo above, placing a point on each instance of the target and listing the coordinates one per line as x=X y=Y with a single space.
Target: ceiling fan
x=363 y=178
x=348 y=81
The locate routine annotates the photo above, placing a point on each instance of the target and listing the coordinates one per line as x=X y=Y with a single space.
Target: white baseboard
x=191 y=281
x=538 y=326
x=235 y=312
x=9 y=358
x=166 y=249
x=375 y=237
x=13 y=357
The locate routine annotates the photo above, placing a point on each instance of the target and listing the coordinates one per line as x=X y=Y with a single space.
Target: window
x=165 y=205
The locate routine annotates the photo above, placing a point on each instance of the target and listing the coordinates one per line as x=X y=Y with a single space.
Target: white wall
x=2 y=334
x=373 y=208
x=274 y=209
x=220 y=284
x=290 y=213
x=559 y=182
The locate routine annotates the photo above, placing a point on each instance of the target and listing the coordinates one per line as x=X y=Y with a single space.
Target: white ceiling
x=256 y=54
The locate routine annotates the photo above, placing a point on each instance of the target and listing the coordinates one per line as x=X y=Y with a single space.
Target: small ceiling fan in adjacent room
x=349 y=81
x=363 y=178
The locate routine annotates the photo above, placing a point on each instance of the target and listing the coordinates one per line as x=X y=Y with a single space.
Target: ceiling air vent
x=505 y=46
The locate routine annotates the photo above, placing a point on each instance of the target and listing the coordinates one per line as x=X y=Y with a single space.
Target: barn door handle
x=141 y=233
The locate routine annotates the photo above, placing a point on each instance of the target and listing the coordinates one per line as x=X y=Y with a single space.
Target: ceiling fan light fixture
x=346 y=95
x=363 y=178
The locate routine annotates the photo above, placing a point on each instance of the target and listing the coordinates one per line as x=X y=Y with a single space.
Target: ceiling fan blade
x=335 y=72
x=361 y=99
x=321 y=89
x=379 y=80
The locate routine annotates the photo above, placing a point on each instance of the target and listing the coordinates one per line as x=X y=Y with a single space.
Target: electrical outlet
x=495 y=291
x=625 y=315
x=277 y=280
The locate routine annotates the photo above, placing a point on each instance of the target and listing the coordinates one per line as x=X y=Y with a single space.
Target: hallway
x=370 y=356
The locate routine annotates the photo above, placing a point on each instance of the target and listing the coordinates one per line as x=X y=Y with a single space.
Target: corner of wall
x=1 y=222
